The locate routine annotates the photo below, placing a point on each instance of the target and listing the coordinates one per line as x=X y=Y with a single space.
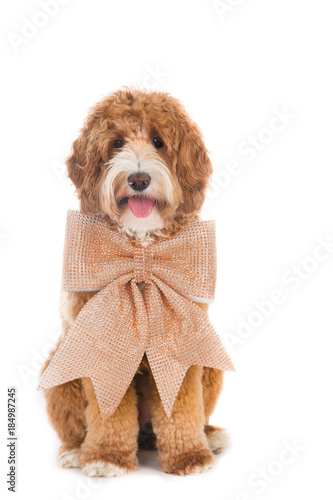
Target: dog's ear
x=194 y=167
x=84 y=165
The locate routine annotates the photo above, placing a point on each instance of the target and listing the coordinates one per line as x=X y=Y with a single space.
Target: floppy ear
x=84 y=165
x=194 y=167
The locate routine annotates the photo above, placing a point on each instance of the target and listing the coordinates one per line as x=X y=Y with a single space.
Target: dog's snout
x=139 y=182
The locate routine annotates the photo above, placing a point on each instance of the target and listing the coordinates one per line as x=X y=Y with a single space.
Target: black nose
x=139 y=182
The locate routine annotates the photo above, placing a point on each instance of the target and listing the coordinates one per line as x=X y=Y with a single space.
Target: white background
x=233 y=71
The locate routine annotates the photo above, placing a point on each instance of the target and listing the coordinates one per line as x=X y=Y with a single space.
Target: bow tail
x=181 y=336
x=106 y=343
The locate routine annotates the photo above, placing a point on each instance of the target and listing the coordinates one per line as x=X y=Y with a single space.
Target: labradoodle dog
x=139 y=162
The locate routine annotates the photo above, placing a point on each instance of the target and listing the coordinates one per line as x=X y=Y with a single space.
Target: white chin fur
x=140 y=227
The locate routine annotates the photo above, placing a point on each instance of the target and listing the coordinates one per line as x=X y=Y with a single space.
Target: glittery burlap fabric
x=119 y=324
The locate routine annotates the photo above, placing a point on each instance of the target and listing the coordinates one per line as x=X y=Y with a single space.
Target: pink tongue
x=140 y=207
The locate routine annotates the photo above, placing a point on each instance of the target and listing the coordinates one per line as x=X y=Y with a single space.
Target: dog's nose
x=139 y=182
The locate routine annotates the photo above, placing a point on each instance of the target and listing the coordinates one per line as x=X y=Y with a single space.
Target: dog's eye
x=158 y=142
x=118 y=144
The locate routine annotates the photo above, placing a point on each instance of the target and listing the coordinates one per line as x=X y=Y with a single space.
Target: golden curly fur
x=131 y=132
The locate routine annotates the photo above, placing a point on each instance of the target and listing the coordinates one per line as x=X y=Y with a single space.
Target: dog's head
x=140 y=161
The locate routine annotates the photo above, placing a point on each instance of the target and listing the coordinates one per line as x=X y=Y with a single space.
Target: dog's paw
x=103 y=469
x=218 y=439
x=69 y=458
x=192 y=462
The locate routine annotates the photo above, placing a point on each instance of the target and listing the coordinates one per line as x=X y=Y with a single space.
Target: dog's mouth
x=140 y=206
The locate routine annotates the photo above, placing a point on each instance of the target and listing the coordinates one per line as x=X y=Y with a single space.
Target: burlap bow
x=119 y=324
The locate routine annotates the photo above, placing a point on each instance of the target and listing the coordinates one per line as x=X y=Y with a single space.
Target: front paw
x=95 y=464
x=101 y=468
x=69 y=458
x=191 y=462
x=218 y=439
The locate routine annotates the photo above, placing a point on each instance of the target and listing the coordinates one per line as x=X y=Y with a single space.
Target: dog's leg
x=181 y=441
x=212 y=383
x=65 y=406
x=66 y=403
x=110 y=446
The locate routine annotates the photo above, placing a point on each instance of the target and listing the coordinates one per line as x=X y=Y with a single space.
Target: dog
x=140 y=162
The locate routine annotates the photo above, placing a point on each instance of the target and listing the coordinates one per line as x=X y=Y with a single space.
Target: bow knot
x=119 y=324
x=143 y=263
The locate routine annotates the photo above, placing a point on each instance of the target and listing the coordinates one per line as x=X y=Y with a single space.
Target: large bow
x=119 y=324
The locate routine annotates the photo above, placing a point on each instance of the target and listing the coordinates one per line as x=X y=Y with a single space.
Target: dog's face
x=141 y=161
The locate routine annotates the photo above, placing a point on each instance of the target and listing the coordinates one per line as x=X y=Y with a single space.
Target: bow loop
x=187 y=262
x=94 y=254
